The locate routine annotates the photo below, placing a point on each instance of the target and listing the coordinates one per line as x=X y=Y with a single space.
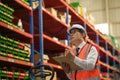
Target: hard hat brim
x=76 y=26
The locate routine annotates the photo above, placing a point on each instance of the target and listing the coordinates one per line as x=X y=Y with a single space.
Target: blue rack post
x=97 y=42
x=119 y=60
x=41 y=31
x=114 y=63
x=107 y=58
x=67 y=13
x=85 y=26
x=32 y=32
x=97 y=39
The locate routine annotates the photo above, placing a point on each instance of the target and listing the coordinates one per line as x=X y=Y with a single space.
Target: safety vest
x=86 y=74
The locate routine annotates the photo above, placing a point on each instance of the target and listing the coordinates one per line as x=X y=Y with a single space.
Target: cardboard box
x=59 y=13
x=64 y=42
x=52 y=11
x=27 y=47
x=84 y=12
x=37 y=57
x=62 y=17
x=36 y=4
x=68 y=1
x=91 y=19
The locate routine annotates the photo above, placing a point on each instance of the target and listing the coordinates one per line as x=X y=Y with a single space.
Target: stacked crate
x=13 y=73
x=14 y=51
x=12 y=48
x=6 y=15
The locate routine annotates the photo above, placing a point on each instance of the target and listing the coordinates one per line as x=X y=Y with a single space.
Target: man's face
x=75 y=36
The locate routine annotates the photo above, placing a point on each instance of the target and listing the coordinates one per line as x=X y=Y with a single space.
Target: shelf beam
x=15 y=61
x=24 y=5
x=16 y=30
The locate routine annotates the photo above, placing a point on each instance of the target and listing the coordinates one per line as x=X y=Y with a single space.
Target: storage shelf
x=61 y=5
x=80 y=18
x=58 y=28
x=14 y=61
x=53 y=44
x=53 y=27
x=107 y=66
x=103 y=52
x=13 y=32
x=103 y=56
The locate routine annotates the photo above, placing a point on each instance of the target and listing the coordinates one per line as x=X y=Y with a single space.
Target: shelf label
x=10 y=27
x=59 y=67
x=30 y=64
x=11 y=60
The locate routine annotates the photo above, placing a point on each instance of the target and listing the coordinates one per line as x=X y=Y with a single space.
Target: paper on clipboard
x=66 y=59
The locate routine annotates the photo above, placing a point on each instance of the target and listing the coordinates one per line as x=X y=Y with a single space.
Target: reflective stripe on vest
x=85 y=74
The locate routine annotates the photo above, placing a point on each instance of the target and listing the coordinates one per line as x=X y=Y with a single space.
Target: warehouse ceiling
x=104 y=11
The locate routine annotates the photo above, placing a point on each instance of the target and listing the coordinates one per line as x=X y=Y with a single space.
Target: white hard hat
x=76 y=26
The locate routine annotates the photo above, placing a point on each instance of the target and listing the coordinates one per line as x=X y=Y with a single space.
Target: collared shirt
x=89 y=63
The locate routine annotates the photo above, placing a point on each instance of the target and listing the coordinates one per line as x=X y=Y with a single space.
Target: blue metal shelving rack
x=41 y=49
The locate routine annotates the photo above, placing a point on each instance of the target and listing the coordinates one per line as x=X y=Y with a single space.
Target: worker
x=86 y=57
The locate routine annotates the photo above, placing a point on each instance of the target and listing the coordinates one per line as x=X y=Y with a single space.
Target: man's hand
x=66 y=67
x=66 y=51
x=69 y=54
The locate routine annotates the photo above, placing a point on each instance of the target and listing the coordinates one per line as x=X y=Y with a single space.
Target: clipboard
x=66 y=59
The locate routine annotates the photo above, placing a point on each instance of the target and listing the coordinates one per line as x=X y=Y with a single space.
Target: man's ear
x=83 y=34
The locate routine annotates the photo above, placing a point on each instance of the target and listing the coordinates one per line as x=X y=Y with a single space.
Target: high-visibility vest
x=86 y=74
